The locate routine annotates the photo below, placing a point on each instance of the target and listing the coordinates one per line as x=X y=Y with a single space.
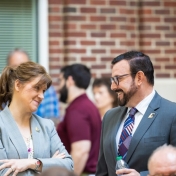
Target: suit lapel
x=14 y=133
x=148 y=118
x=37 y=137
x=118 y=117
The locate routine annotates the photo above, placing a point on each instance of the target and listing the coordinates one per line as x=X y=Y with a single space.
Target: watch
x=37 y=164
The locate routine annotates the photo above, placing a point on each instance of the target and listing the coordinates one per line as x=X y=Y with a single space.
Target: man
x=142 y=122
x=80 y=130
x=163 y=161
x=49 y=107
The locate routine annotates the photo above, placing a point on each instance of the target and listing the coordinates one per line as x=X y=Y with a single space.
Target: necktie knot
x=133 y=111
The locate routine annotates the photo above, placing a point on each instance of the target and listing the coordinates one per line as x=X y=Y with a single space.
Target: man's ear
x=70 y=81
x=17 y=85
x=139 y=77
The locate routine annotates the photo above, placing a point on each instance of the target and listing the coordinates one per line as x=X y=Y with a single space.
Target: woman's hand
x=58 y=155
x=16 y=165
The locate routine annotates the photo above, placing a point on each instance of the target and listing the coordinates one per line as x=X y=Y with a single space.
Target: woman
x=105 y=98
x=28 y=143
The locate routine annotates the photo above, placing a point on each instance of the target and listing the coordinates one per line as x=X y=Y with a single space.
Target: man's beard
x=128 y=95
x=63 y=94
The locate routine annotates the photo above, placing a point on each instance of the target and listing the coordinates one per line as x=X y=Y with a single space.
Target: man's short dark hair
x=138 y=61
x=80 y=74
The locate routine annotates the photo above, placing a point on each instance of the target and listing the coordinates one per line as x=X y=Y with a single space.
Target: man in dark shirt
x=80 y=130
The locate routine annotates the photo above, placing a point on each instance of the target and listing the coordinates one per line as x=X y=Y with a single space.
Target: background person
x=162 y=162
x=49 y=107
x=105 y=98
x=81 y=127
x=142 y=122
x=28 y=143
x=57 y=171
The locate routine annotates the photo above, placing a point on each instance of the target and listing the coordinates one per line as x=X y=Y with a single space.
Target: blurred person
x=28 y=143
x=105 y=98
x=49 y=107
x=142 y=122
x=162 y=162
x=81 y=127
x=57 y=171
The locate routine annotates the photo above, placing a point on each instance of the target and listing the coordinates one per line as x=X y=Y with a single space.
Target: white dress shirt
x=141 y=107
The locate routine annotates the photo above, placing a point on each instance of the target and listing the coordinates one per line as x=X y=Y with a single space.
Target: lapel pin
x=151 y=115
x=36 y=129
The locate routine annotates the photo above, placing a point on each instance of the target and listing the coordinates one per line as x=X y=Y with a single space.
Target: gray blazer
x=153 y=131
x=45 y=142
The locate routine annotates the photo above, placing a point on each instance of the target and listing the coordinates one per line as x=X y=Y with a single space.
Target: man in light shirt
x=152 y=125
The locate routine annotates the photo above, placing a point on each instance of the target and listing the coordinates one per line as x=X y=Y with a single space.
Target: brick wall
x=93 y=32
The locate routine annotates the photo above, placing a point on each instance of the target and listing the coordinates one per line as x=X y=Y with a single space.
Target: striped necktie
x=126 y=134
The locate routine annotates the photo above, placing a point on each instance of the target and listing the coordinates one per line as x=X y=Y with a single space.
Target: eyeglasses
x=116 y=79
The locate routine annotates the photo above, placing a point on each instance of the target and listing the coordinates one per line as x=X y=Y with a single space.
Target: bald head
x=17 y=57
x=163 y=161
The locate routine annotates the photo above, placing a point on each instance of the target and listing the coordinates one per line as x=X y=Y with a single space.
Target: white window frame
x=43 y=35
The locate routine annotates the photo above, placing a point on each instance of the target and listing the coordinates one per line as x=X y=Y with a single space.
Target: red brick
x=162 y=75
x=54 y=9
x=69 y=26
x=69 y=10
x=74 y=18
x=88 y=43
x=149 y=19
x=78 y=51
x=144 y=11
x=98 y=51
x=126 y=11
x=145 y=43
x=157 y=67
x=98 y=66
x=55 y=34
x=107 y=26
x=107 y=43
x=162 y=28
x=156 y=35
x=162 y=11
x=133 y=20
x=75 y=34
x=53 y=43
x=88 y=26
x=98 y=18
x=54 y=67
x=118 y=51
x=144 y=27
x=161 y=59
x=88 y=59
x=108 y=10
x=98 y=34
x=117 y=2
x=55 y=1
x=69 y=42
x=170 y=4
x=88 y=10
x=127 y=27
x=127 y=43
x=152 y=51
x=172 y=35
x=170 y=51
x=69 y=59
x=162 y=43
x=170 y=67
x=170 y=20
x=97 y=2
x=118 y=19
x=106 y=59
x=107 y=75
x=146 y=3
x=118 y=35
x=54 y=18
x=54 y=26
x=55 y=51
x=75 y=2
